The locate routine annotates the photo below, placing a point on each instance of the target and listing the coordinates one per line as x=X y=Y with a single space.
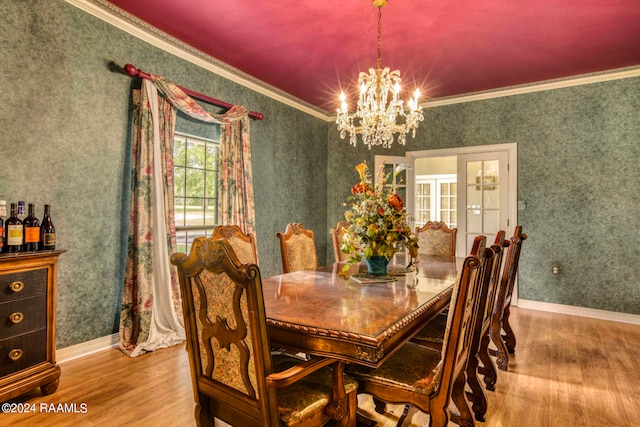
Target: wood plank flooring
x=567 y=371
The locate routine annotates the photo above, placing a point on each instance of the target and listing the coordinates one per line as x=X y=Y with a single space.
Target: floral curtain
x=235 y=189
x=151 y=307
x=151 y=316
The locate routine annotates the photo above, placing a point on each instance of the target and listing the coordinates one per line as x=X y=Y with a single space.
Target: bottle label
x=31 y=234
x=1 y=237
x=14 y=235
x=49 y=239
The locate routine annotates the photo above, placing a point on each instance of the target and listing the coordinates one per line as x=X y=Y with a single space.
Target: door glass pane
x=492 y=197
x=491 y=221
x=474 y=221
x=474 y=197
x=491 y=171
x=474 y=172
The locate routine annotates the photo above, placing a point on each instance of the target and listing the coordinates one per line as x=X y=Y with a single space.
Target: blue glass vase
x=377 y=265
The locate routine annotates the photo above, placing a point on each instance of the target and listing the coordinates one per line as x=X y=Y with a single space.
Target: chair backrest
x=227 y=340
x=494 y=281
x=243 y=244
x=336 y=238
x=464 y=312
x=435 y=238
x=509 y=270
x=297 y=248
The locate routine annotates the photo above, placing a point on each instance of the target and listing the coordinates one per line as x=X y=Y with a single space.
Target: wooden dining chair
x=435 y=238
x=243 y=244
x=432 y=335
x=234 y=376
x=297 y=248
x=506 y=343
x=430 y=379
x=336 y=239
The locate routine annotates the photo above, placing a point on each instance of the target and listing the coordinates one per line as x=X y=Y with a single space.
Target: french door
x=483 y=197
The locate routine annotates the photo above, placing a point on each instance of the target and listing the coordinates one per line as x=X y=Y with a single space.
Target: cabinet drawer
x=21 y=316
x=23 y=351
x=23 y=284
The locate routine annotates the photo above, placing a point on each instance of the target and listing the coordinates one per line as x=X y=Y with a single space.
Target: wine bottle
x=47 y=231
x=3 y=215
x=21 y=210
x=13 y=231
x=31 y=231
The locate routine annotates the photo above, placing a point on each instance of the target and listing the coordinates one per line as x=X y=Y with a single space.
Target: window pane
x=212 y=184
x=179 y=152
x=179 y=181
x=194 y=212
x=179 y=211
x=195 y=183
x=195 y=154
x=211 y=212
x=181 y=241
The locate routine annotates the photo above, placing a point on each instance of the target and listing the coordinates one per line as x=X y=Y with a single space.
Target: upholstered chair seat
x=413 y=368
x=303 y=400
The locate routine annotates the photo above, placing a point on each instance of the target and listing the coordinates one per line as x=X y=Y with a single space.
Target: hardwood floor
x=567 y=371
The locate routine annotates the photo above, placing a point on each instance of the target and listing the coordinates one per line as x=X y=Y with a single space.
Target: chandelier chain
x=379 y=37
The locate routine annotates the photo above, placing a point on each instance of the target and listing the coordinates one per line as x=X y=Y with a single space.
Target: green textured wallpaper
x=65 y=124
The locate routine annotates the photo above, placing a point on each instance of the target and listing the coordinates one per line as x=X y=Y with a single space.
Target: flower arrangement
x=377 y=220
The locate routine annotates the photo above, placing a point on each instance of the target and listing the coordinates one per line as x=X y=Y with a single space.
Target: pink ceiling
x=313 y=49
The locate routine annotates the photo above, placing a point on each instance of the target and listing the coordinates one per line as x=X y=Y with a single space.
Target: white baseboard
x=580 y=311
x=86 y=348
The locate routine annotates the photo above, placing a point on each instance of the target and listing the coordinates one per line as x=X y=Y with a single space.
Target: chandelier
x=380 y=112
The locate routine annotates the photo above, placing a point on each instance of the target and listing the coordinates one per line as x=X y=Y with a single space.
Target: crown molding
x=124 y=21
x=578 y=80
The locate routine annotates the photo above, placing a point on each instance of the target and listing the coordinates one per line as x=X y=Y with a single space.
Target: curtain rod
x=131 y=70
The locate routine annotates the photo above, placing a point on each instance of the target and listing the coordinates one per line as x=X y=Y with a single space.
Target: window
x=436 y=199
x=195 y=179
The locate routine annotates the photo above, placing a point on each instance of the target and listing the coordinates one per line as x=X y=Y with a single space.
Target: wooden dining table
x=330 y=313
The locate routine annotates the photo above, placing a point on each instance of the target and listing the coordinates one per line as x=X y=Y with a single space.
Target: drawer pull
x=15 y=354
x=16 y=317
x=16 y=286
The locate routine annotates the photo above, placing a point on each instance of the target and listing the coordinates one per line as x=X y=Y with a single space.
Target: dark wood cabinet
x=28 y=323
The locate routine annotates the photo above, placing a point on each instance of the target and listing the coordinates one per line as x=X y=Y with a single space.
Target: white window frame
x=186 y=233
